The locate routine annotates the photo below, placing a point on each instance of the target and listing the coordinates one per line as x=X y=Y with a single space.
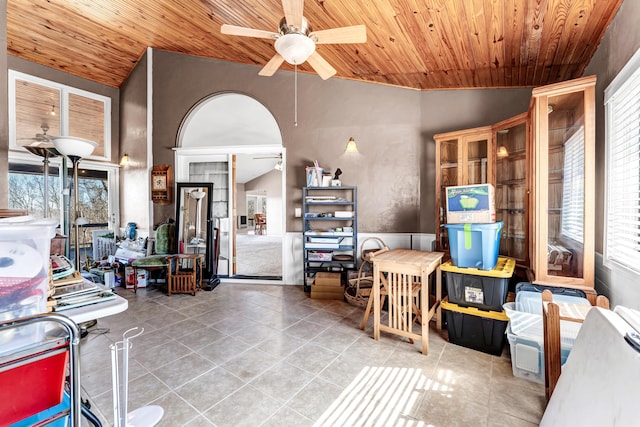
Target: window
x=622 y=120
x=40 y=108
x=572 y=224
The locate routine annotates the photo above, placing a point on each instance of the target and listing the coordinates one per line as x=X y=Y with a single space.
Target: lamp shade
x=503 y=152
x=72 y=146
x=197 y=195
x=295 y=48
x=351 y=146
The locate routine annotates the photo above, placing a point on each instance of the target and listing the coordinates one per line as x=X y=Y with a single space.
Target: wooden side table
x=398 y=271
x=184 y=279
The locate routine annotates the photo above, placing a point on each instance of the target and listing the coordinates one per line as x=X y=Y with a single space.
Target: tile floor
x=268 y=355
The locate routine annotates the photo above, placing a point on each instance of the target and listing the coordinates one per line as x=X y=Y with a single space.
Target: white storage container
x=25 y=244
x=525 y=315
x=527 y=355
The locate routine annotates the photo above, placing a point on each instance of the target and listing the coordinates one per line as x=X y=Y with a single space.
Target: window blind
x=572 y=219
x=622 y=226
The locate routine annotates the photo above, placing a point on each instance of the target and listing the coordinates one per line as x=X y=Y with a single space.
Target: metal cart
x=40 y=382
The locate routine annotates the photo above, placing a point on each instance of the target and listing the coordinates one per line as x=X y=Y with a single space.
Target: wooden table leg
x=376 y=302
x=424 y=306
x=135 y=279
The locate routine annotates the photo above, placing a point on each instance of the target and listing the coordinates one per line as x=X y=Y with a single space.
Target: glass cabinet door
x=463 y=158
x=477 y=164
x=565 y=188
x=447 y=175
x=512 y=183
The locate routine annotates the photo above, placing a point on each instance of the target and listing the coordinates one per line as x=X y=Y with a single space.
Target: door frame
x=183 y=156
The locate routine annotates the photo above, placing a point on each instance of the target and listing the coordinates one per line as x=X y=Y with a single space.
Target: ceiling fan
x=273 y=156
x=278 y=166
x=295 y=42
x=40 y=140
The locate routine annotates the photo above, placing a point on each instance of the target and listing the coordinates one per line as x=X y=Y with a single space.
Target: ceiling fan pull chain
x=295 y=95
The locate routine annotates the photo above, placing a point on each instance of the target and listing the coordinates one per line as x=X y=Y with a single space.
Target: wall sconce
x=53 y=110
x=124 y=161
x=278 y=166
x=351 y=146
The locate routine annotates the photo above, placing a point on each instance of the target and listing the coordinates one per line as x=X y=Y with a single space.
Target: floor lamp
x=47 y=152
x=75 y=149
x=198 y=195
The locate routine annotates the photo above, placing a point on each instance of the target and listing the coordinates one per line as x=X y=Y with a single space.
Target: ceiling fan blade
x=247 y=32
x=272 y=66
x=293 y=12
x=322 y=67
x=353 y=34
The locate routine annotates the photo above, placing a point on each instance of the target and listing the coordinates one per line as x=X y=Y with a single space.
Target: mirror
x=193 y=222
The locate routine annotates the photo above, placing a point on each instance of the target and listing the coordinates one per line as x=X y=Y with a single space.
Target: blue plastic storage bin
x=475 y=245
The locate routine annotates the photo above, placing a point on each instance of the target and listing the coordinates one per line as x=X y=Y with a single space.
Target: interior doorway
x=237 y=130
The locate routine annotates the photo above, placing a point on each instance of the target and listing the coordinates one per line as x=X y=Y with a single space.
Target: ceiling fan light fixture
x=295 y=48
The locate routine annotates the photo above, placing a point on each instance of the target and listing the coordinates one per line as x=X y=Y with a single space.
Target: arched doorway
x=234 y=141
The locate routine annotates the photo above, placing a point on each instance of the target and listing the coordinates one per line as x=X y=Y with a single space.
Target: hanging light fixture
x=351 y=146
x=295 y=48
x=53 y=110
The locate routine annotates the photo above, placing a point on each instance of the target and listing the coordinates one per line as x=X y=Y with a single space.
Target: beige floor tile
x=312 y=358
x=288 y=417
x=282 y=381
x=200 y=338
x=281 y=345
x=305 y=329
x=250 y=364
x=224 y=349
x=183 y=370
x=246 y=407
x=315 y=398
x=210 y=388
x=247 y=354
x=177 y=412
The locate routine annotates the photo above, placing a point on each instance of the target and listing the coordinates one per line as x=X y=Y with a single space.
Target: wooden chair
x=259 y=223
x=183 y=273
x=552 y=314
x=405 y=310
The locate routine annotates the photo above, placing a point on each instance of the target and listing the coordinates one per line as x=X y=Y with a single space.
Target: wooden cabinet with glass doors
x=564 y=184
x=512 y=185
x=462 y=158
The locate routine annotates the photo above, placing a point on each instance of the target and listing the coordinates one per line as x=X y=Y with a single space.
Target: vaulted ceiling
x=422 y=44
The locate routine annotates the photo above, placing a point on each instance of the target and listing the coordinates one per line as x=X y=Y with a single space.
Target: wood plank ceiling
x=421 y=44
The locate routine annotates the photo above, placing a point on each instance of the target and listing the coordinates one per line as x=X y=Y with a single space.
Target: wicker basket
x=358 y=289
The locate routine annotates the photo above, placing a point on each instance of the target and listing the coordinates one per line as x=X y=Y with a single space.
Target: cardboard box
x=326 y=295
x=339 y=290
x=129 y=278
x=471 y=204
x=328 y=279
